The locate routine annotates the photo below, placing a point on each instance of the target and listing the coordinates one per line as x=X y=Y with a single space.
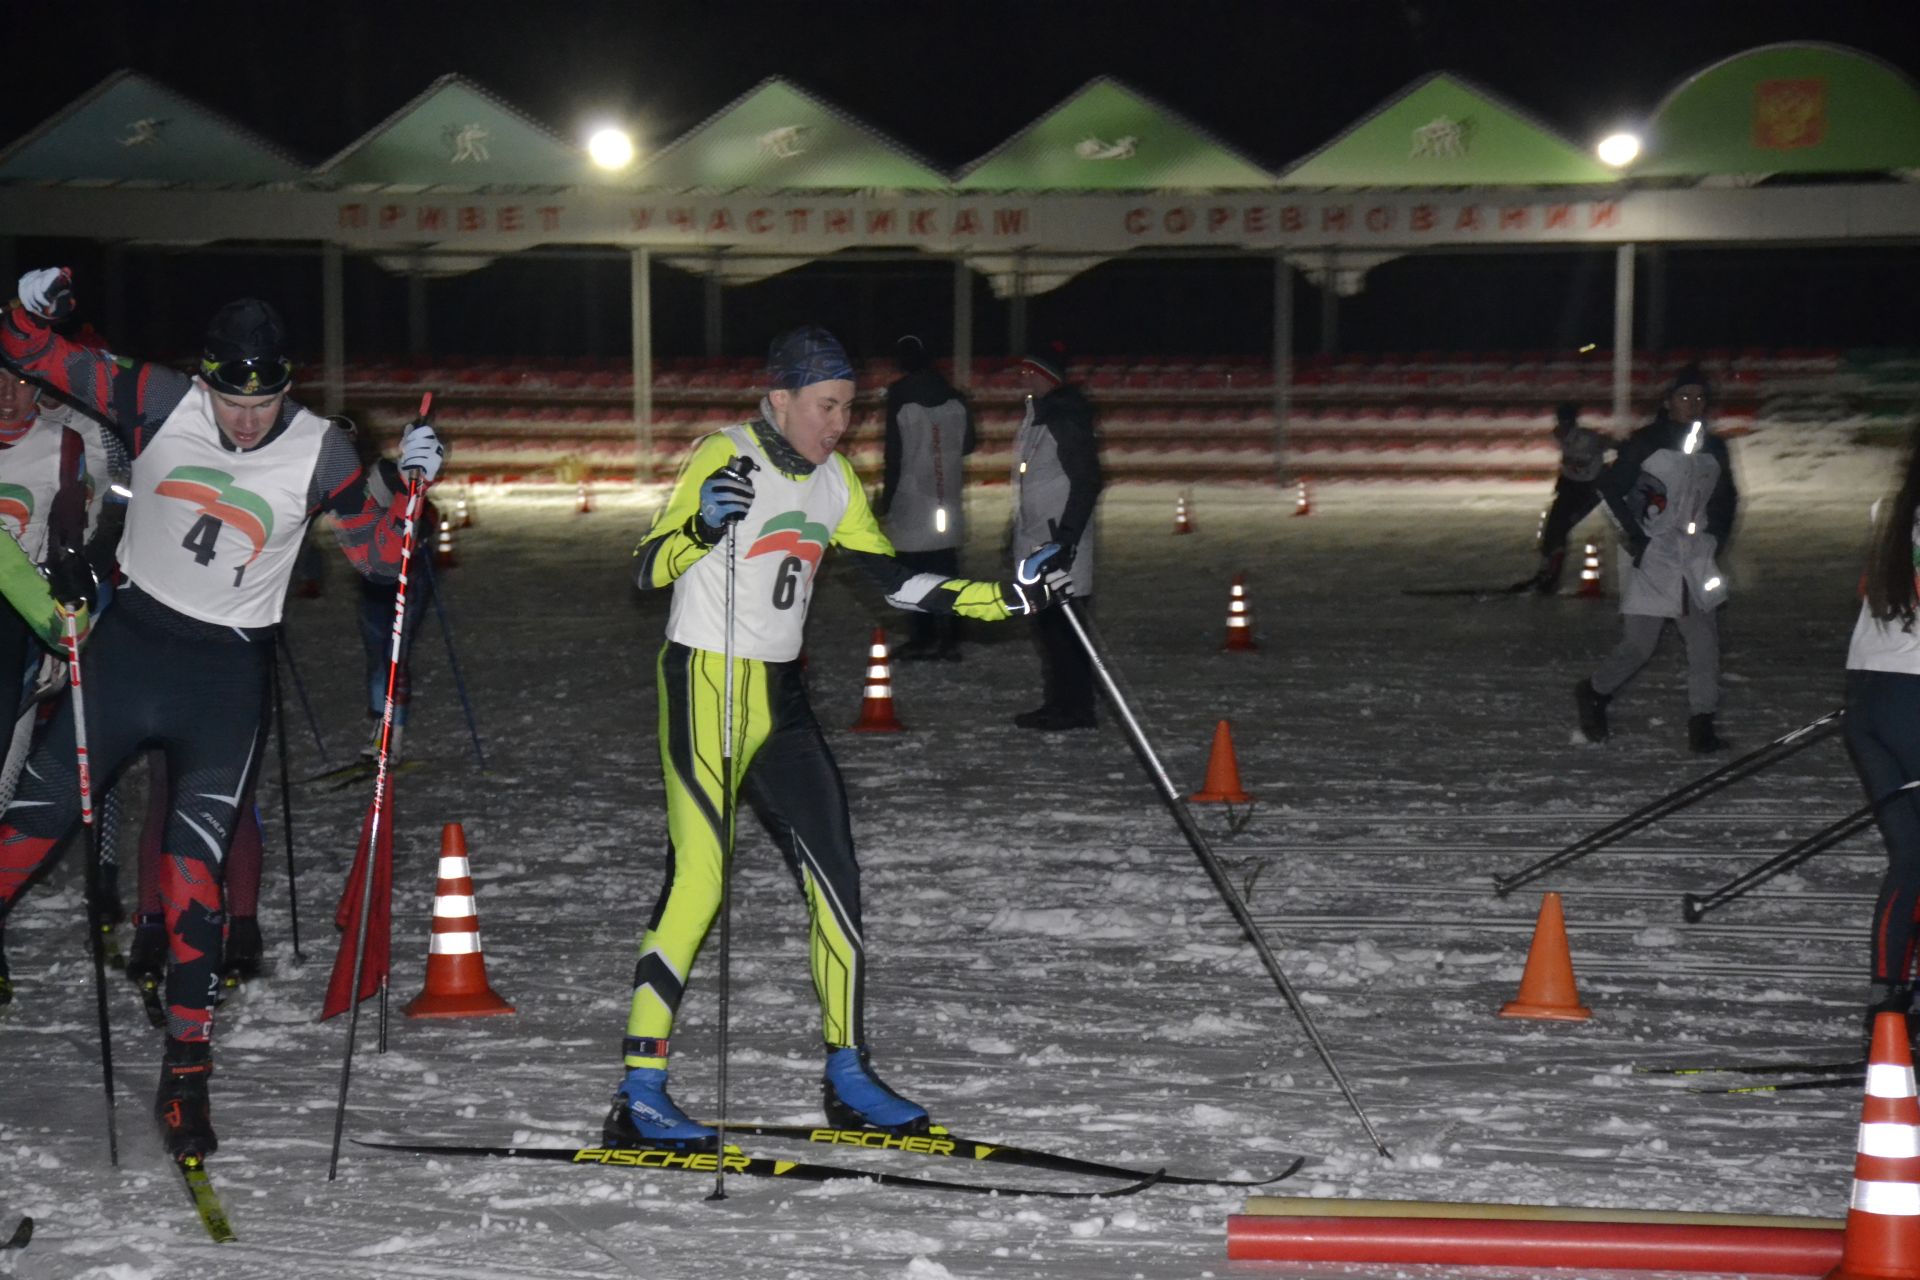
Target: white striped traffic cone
x=1302 y=502
x=456 y=971
x=1590 y=574
x=1181 y=523
x=1239 y=620
x=443 y=551
x=1883 y=1221
x=876 y=707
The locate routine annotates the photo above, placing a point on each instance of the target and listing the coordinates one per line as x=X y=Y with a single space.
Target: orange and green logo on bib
x=792 y=534
x=213 y=493
x=16 y=507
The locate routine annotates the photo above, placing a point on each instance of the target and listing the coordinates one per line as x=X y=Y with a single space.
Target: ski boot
x=644 y=1116
x=240 y=961
x=1592 y=705
x=856 y=1098
x=181 y=1105
x=1700 y=735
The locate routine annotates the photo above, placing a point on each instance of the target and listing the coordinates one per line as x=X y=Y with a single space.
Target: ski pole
x=742 y=467
x=1183 y=817
x=1699 y=789
x=453 y=660
x=96 y=943
x=415 y=491
x=286 y=800
x=300 y=688
x=1695 y=906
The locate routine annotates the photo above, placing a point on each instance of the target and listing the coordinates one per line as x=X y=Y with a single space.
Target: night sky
x=952 y=80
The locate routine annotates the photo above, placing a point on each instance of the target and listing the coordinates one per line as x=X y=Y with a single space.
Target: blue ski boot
x=644 y=1116
x=857 y=1098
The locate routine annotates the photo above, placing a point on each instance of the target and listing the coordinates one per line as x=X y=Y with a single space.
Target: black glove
x=1636 y=545
x=1039 y=581
x=71 y=578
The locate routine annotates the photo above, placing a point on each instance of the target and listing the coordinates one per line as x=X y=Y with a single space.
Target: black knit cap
x=911 y=354
x=1049 y=360
x=246 y=351
x=1692 y=375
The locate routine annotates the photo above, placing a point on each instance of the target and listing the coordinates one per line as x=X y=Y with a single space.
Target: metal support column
x=1622 y=337
x=1330 y=305
x=641 y=286
x=1282 y=361
x=962 y=324
x=333 y=325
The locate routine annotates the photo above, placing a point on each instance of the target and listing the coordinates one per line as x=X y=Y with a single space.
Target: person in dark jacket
x=922 y=491
x=1056 y=484
x=1583 y=456
x=1671 y=491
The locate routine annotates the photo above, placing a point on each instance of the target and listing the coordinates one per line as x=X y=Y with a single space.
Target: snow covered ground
x=1050 y=965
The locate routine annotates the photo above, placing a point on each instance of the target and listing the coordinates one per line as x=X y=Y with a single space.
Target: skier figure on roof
x=1671 y=490
x=800 y=498
x=227 y=473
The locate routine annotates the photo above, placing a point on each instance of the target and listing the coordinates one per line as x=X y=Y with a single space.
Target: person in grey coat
x=1056 y=483
x=1671 y=491
x=922 y=501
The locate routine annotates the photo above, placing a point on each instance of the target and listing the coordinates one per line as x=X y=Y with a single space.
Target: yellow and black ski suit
x=781 y=762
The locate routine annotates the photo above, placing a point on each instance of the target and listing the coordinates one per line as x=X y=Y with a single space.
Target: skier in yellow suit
x=798 y=498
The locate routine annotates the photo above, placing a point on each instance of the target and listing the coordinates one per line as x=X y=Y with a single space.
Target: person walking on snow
x=1583 y=456
x=227 y=474
x=1056 y=481
x=798 y=498
x=1671 y=491
x=923 y=486
x=1882 y=733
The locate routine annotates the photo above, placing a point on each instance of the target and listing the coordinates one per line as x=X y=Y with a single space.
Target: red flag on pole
x=379 y=920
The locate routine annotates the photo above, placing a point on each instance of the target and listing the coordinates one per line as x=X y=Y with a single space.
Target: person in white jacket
x=1882 y=733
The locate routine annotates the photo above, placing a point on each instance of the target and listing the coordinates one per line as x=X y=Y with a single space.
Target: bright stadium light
x=611 y=148
x=1618 y=150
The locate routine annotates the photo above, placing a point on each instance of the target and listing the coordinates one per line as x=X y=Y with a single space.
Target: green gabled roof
x=129 y=128
x=1444 y=130
x=1107 y=137
x=778 y=136
x=457 y=134
x=1786 y=108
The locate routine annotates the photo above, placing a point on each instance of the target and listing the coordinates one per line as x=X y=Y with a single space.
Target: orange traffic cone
x=463 y=513
x=876 y=708
x=1883 y=1221
x=456 y=971
x=1302 y=504
x=443 y=552
x=1590 y=574
x=1239 y=620
x=1180 y=522
x=585 y=503
x=1546 y=988
x=1223 y=772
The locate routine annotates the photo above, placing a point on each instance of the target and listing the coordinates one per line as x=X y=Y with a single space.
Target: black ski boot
x=1700 y=735
x=181 y=1105
x=240 y=961
x=1592 y=705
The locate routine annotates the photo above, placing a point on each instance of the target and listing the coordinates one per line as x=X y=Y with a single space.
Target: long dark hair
x=1890 y=568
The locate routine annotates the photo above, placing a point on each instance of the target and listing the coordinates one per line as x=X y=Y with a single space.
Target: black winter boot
x=1700 y=735
x=1592 y=705
x=181 y=1105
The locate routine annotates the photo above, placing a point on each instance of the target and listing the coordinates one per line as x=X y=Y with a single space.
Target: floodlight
x=611 y=148
x=1619 y=150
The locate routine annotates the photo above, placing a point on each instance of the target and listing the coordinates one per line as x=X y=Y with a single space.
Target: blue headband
x=801 y=357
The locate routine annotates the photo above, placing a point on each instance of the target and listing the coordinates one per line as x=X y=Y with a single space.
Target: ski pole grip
x=741 y=466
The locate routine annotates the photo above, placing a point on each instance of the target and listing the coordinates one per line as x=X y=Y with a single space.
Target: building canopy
x=779 y=137
x=129 y=129
x=457 y=135
x=1106 y=137
x=1788 y=108
x=1445 y=131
